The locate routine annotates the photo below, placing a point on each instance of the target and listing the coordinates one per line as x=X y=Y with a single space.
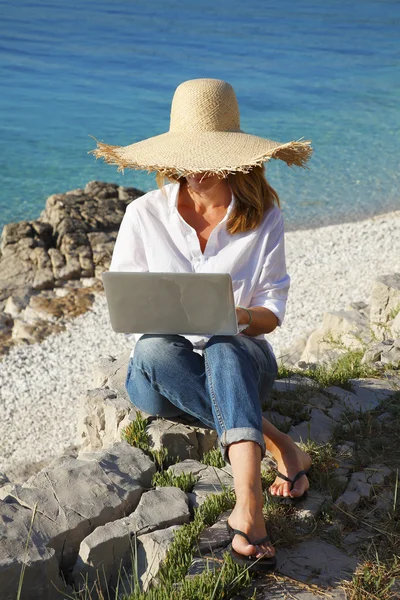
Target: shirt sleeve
x=129 y=253
x=273 y=285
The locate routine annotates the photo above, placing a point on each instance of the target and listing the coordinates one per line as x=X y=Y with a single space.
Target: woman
x=218 y=215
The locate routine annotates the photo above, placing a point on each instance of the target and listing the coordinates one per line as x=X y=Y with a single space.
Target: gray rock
x=359 y=484
x=352 y=401
x=211 y=479
x=41 y=563
x=280 y=421
x=108 y=549
x=395 y=327
x=385 y=298
x=216 y=536
x=152 y=549
x=372 y=391
x=349 y=500
x=318 y=428
x=391 y=356
x=356 y=538
x=294 y=383
x=316 y=562
x=374 y=352
x=309 y=508
x=283 y=588
x=377 y=474
x=103 y=416
x=106 y=486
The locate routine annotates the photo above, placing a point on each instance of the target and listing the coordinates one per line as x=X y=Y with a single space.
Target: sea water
x=324 y=71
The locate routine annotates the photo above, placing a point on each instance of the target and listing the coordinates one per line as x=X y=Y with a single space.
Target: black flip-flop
x=265 y=564
x=292 y=481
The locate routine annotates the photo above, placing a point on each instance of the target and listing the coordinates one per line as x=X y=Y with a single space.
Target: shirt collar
x=173 y=199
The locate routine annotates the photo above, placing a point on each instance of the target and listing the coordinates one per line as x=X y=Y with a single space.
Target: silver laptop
x=182 y=303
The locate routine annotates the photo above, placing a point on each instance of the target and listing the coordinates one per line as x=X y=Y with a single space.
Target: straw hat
x=204 y=137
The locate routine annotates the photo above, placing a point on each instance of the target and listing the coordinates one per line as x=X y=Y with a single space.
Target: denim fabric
x=222 y=389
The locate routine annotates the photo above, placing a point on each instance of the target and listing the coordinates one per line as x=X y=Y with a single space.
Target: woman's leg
x=290 y=458
x=236 y=368
x=166 y=378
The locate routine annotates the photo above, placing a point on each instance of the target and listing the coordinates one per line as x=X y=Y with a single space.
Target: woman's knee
x=153 y=348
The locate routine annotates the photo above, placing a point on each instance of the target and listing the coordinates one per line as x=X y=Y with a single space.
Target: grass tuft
x=184 y=481
x=213 y=458
x=375 y=580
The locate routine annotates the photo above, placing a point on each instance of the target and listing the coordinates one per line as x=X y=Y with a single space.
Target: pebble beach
x=40 y=384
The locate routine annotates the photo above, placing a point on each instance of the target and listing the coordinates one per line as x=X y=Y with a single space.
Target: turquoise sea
x=325 y=71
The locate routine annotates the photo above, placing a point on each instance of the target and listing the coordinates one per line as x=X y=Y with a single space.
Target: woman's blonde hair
x=253 y=198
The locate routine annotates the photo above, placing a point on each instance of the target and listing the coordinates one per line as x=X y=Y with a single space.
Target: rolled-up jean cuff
x=240 y=434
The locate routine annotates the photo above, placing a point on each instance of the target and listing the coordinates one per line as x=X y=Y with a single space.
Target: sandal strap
x=295 y=478
x=262 y=540
x=243 y=534
x=252 y=543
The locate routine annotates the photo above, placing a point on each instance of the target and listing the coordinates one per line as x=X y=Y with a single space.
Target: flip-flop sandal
x=265 y=564
x=289 y=499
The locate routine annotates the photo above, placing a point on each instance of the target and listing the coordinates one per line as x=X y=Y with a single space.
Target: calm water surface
x=329 y=72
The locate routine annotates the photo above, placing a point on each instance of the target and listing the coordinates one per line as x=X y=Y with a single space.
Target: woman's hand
x=242 y=316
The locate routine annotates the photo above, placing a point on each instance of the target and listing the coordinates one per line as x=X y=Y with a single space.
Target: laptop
x=179 y=303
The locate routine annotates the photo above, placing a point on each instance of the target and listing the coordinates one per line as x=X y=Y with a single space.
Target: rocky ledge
x=50 y=267
x=95 y=510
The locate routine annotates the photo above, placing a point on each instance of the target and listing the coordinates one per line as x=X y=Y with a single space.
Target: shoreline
x=40 y=384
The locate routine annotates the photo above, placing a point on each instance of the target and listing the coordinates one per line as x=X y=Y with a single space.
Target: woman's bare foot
x=253 y=525
x=291 y=459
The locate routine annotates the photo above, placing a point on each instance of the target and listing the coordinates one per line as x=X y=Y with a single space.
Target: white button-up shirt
x=154 y=237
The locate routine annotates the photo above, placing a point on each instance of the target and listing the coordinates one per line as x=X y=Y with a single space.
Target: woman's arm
x=129 y=253
x=263 y=320
x=268 y=304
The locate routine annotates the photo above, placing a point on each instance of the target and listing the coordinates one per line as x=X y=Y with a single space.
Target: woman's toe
x=265 y=551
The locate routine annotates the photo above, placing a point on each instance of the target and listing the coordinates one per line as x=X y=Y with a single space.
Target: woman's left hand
x=242 y=316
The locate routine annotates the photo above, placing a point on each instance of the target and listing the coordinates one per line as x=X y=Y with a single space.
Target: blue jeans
x=223 y=389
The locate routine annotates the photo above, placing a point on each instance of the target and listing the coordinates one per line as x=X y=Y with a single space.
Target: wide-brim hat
x=204 y=137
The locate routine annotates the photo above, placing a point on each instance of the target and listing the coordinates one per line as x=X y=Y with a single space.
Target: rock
x=352 y=401
x=281 y=422
x=359 y=484
x=111 y=372
x=180 y=440
x=377 y=474
x=41 y=563
x=211 y=479
x=18 y=301
x=216 y=536
x=318 y=428
x=152 y=549
x=107 y=486
x=385 y=298
x=294 y=383
x=374 y=352
x=107 y=550
x=309 y=508
x=266 y=588
x=356 y=538
x=395 y=327
x=291 y=355
x=371 y=391
x=3 y=479
x=391 y=355
x=349 y=500
x=316 y=562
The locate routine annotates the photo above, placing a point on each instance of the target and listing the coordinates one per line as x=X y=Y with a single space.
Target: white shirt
x=154 y=237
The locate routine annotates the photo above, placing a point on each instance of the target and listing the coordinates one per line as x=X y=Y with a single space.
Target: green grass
x=375 y=580
x=345 y=367
x=184 y=481
x=213 y=458
x=136 y=435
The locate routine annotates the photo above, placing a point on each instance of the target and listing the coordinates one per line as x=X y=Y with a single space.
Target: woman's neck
x=208 y=195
